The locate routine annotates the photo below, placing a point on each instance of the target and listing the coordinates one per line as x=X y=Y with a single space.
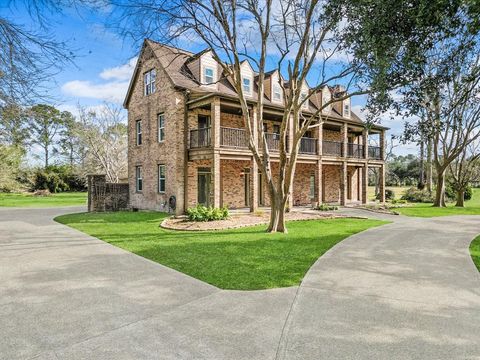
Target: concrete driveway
x=407 y=290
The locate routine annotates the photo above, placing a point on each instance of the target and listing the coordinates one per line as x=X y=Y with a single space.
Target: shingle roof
x=175 y=60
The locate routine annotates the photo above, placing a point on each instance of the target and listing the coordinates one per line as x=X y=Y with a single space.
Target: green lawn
x=475 y=251
x=28 y=200
x=472 y=207
x=398 y=190
x=244 y=259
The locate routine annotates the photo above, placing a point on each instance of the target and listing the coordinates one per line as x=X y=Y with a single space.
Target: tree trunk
x=460 y=198
x=277 y=213
x=421 y=179
x=429 y=166
x=440 y=192
x=46 y=158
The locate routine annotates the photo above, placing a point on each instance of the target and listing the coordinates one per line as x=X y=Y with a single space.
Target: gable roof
x=174 y=62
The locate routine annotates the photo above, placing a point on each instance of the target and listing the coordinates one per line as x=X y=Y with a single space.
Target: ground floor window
x=204 y=177
x=161 y=178
x=138 y=178
x=312 y=186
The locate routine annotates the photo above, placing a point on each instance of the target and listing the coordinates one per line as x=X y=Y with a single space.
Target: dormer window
x=208 y=75
x=303 y=96
x=247 y=88
x=277 y=94
x=346 y=110
x=149 y=82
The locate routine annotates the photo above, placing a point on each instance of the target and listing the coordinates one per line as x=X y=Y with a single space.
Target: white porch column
x=382 y=183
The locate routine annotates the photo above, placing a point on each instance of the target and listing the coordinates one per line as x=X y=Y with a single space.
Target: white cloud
x=113 y=91
x=122 y=72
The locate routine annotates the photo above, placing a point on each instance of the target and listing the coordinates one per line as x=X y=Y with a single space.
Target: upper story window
x=138 y=132
x=149 y=82
x=161 y=127
x=247 y=88
x=303 y=96
x=276 y=131
x=161 y=178
x=265 y=127
x=138 y=179
x=277 y=94
x=208 y=75
x=346 y=110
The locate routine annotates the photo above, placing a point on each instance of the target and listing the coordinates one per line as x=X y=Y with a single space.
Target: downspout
x=186 y=97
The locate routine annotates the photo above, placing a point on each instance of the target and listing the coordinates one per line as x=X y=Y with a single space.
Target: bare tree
x=465 y=169
x=103 y=134
x=325 y=41
x=455 y=118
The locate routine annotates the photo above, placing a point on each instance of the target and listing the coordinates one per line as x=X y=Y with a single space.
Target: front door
x=246 y=186
x=203 y=189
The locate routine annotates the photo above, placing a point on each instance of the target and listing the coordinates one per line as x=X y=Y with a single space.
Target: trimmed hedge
x=203 y=213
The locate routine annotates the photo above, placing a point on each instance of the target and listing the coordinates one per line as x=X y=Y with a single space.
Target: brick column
x=320 y=139
x=344 y=132
x=319 y=182
x=290 y=132
x=254 y=168
x=382 y=145
x=215 y=139
x=365 y=143
x=343 y=183
x=365 y=183
x=382 y=183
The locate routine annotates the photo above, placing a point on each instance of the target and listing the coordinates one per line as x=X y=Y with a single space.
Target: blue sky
x=105 y=61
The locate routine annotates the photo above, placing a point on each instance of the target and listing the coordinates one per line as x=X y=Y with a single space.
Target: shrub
x=326 y=207
x=415 y=195
x=389 y=195
x=451 y=194
x=57 y=179
x=203 y=213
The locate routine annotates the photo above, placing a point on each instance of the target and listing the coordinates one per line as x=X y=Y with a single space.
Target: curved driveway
x=407 y=290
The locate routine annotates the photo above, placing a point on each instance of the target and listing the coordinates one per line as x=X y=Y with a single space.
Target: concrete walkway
x=407 y=290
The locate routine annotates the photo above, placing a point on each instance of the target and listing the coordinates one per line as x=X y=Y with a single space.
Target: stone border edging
x=164 y=224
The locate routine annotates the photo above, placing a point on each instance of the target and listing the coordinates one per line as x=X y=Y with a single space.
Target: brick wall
x=301 y=184
x=331 y=181
x=233 y=183
x=152 y=153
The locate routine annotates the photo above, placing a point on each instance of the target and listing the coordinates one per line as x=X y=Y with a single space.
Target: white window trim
x=160 y=178
x=138 y=132
x=249 y=91
x=162 y=115
x=276 y=87
x=149 y=84
x=138 y=178
x=205 y=68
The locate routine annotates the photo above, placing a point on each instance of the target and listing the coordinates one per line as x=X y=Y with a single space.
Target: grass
x=475 y=251
x=28 y=200
x=243 y=259
x=472 y=207
x=398 y=190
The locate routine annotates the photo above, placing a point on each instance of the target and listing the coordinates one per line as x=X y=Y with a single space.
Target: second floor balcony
x=236 y=138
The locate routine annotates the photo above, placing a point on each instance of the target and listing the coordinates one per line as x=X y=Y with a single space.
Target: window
x=149 y=81
x=208 y=75
x=346 y=110
x=303 y=96
x=138 y=128
x=312 y=186
x=161 y=127
x=161 y=178
x=246 y=85
x=277 y=95
x=138 y=178
x=276 y=131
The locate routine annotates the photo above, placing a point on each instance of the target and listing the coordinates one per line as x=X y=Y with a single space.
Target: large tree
x=325 y=42
x=464 y=170
x=103 y=135
x=45 y=124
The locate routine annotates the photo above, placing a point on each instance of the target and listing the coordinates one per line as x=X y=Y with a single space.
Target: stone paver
x=406 y=290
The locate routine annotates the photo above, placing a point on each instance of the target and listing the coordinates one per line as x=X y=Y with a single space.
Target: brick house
x=186 y=138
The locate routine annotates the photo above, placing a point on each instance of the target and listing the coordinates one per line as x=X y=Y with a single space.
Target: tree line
x=68 y=147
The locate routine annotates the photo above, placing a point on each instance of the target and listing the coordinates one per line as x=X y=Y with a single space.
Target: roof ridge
x=171 y=47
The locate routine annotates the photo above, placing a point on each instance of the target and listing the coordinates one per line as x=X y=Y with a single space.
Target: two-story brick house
x=187 y=138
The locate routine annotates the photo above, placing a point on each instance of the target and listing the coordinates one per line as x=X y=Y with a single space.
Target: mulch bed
x=241 y=220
